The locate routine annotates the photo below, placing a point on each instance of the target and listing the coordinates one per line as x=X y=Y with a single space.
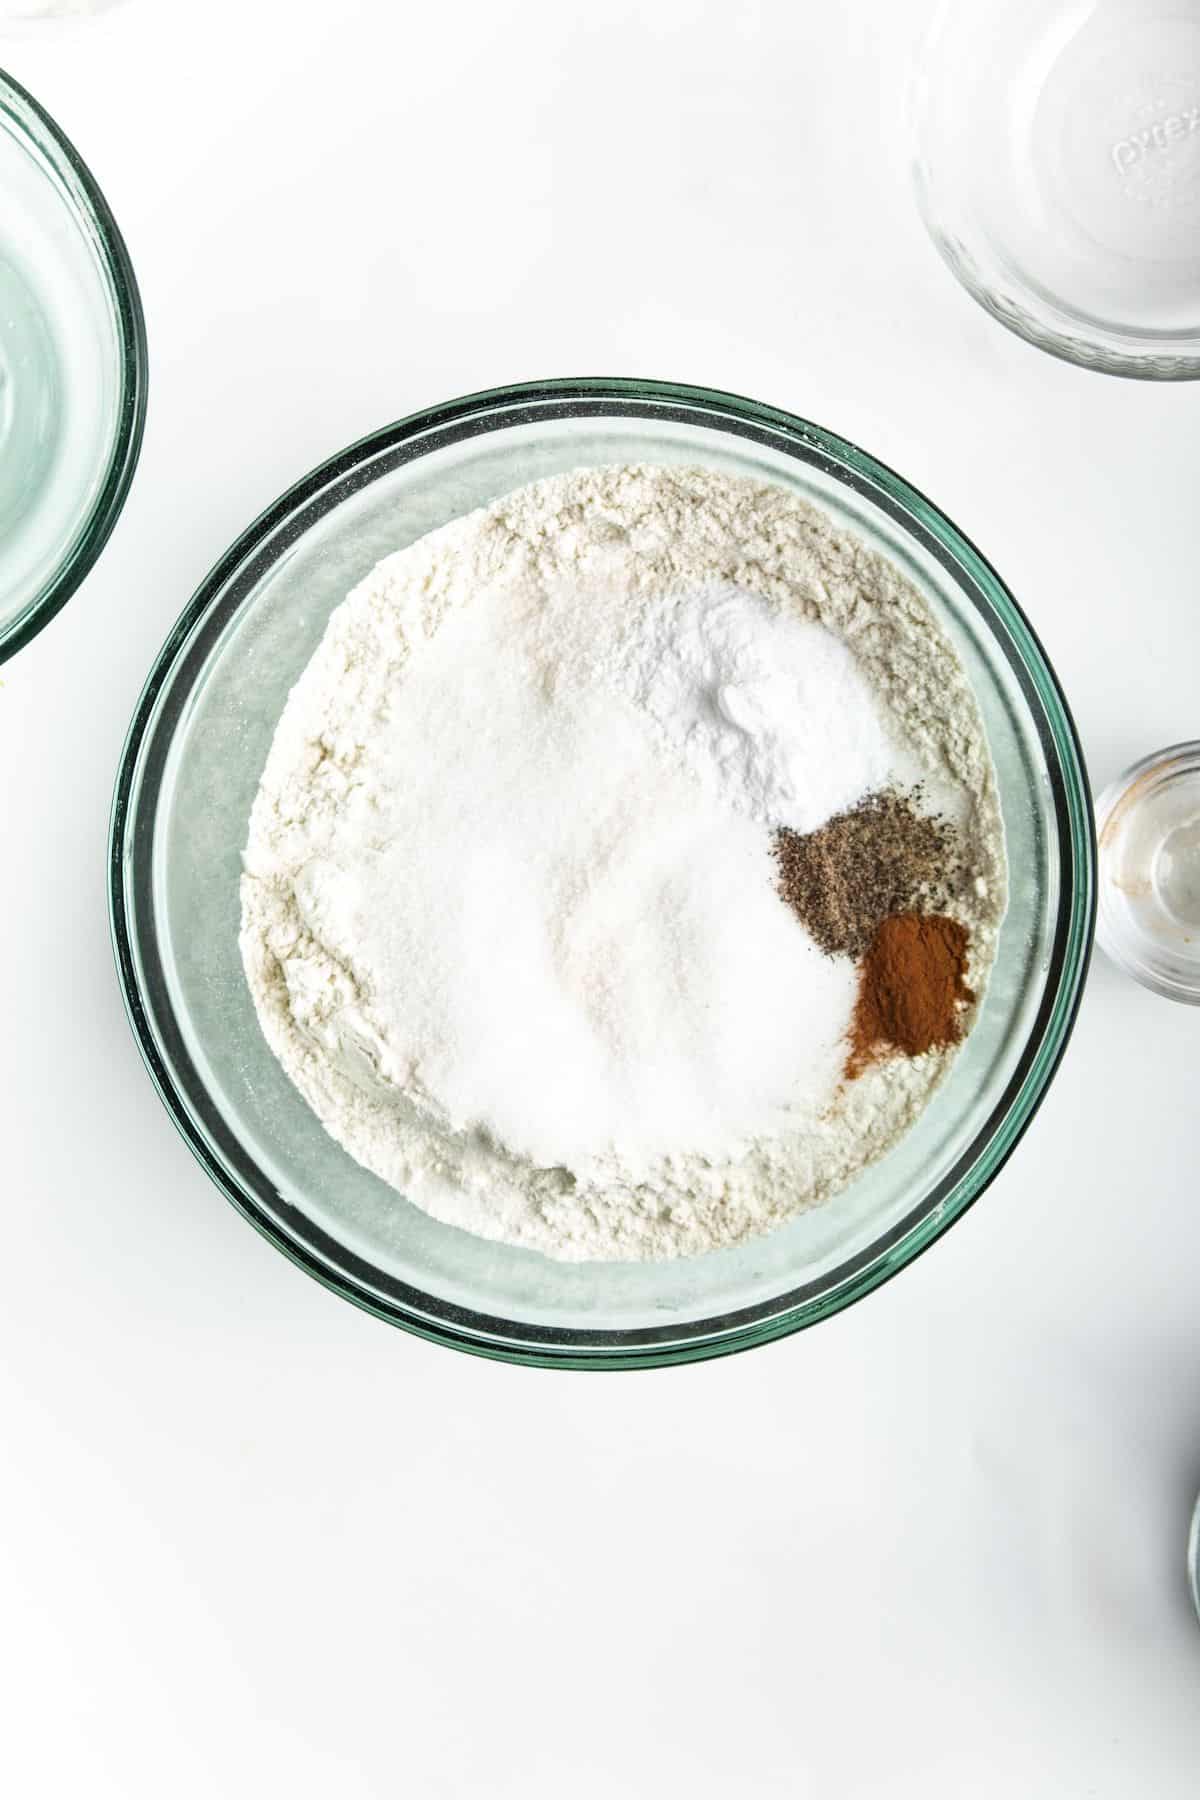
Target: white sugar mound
x=550 y=935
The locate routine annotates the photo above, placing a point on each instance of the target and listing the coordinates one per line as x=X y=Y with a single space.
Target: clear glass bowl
x=1148 y=821
x=191 y=766
x=72 y=369
x=1057 y=147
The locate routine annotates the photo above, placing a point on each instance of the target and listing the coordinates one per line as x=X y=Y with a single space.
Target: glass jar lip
x=314 y=494
x=94 y=217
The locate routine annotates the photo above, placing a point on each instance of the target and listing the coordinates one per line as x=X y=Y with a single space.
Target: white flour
x=508 y=910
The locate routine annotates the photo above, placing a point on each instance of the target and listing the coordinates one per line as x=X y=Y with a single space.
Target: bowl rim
x=1072 y=338
x=93 y=214
x=491 y=410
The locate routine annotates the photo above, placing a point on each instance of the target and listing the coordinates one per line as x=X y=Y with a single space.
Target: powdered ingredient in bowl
x=510 y=915
x=912 y=989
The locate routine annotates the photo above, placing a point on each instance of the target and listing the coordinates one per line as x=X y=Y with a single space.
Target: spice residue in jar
x=911 y=989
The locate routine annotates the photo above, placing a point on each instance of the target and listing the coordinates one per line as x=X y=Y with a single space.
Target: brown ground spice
x=883 y=856
x=911 y=988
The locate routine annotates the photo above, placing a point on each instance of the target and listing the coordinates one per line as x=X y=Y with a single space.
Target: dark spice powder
x=911 y=989
x=884 y=856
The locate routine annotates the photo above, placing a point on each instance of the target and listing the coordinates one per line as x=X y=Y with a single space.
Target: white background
x=253 y=1541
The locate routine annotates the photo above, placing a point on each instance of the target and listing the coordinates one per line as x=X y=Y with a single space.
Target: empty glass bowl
x=192 y=764
x=1057 y=147
x=72 y=369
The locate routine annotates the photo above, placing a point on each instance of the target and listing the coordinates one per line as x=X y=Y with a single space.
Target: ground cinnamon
x=911 y=988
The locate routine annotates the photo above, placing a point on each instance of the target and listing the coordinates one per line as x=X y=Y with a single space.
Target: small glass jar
x=1148 y=827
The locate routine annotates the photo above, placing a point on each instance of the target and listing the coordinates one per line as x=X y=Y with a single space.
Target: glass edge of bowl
x=1105 y=352
x=1076 y=931
x=94 y=213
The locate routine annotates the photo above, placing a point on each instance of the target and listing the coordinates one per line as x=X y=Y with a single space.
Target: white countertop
x=253 y=1541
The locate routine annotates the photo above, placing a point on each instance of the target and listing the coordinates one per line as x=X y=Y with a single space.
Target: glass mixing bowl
x=1057 y=147
x=191 y=766
x=72 y=369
